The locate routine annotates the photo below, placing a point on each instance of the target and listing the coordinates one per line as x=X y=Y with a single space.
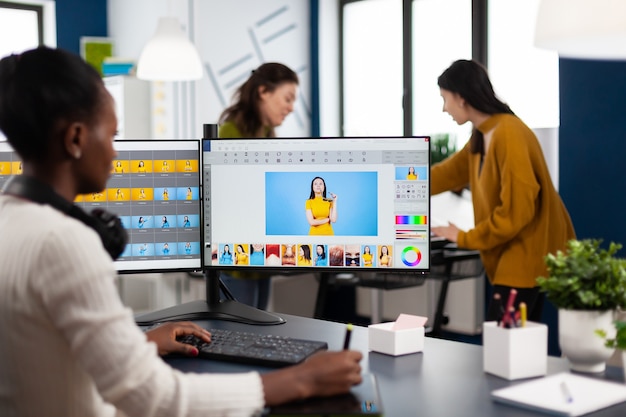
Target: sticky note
x=409 y=321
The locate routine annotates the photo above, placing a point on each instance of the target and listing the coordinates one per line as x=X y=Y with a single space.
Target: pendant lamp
x=169 y=55
x=584 y=29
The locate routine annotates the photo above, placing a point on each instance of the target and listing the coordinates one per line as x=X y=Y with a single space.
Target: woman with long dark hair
x=519 y=216
x=261 y=103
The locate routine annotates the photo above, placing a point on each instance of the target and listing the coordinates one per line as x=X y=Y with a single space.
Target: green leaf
x=585 y=276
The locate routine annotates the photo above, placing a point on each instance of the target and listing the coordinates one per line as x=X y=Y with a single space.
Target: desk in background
x=447 y=379
x=448 y=263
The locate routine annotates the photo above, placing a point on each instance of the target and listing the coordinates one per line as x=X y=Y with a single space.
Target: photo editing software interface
x=334 y=203
x=155 y=190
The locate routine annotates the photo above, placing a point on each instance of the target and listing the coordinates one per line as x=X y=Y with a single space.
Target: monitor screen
x=10 y=163
x=155 y=190
x=317 y=203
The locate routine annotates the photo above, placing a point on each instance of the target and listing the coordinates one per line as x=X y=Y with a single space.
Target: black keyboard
x=253 y=348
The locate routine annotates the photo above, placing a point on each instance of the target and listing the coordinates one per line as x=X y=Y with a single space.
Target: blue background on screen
x=357 y=202
x=181 y=193
x=194 y=248
x=172 y=247
x=194 y=220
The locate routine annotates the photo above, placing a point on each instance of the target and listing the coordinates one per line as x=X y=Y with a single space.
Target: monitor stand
x=213 y=308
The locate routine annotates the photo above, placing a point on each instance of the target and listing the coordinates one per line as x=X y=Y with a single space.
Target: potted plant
x=618 y=342
x=587 y=284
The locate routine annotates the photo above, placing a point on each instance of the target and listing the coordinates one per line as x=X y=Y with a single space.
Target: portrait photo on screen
x=368 y=259
x=412 y=173
x=320 y=255
x=257 y=254
x=272 y=254
x=354 y=195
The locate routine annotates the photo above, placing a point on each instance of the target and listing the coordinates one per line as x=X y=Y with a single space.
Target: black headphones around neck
x=108 y=226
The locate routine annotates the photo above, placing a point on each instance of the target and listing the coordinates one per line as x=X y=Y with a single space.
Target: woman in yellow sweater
x=519 y=216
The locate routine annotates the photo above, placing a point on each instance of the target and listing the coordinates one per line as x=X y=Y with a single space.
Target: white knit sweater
x=68 y=347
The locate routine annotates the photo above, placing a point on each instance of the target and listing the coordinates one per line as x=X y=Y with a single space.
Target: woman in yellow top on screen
x=367 y=256
x=241 y=257
x=384 y=259
x=412 y=175
x=320 y=210
x=119 y=169
x=304 y=255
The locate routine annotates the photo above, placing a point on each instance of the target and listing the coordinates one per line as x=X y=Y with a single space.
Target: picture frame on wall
x=95 y=49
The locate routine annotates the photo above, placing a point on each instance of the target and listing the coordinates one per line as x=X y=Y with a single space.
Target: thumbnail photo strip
x=315 y=255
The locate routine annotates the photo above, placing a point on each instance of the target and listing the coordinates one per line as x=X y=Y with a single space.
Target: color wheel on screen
x=411 y=256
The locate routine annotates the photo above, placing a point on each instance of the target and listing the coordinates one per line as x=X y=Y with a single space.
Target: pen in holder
x=515 y=353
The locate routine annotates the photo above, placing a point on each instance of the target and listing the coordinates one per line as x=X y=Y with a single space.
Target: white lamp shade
x=586 y=29
x=169 y=55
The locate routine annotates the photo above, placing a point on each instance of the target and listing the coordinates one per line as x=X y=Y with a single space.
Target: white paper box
x=520 y=352
x=383 y=339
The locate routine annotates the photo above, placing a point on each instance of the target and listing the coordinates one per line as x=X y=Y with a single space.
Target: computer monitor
x=371 y=213
x=155 y=190
x=10 y=163
x=255 y=197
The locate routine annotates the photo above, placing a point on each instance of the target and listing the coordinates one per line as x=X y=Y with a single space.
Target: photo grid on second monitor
x=156 y=194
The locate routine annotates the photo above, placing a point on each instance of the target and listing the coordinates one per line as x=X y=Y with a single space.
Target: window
x=442 y=33
x=372 y=68
x=25 y=26
x=21 y=27
x=525 y=77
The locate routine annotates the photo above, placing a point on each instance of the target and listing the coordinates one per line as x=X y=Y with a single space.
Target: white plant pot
x=624 y=364
x=580 y=344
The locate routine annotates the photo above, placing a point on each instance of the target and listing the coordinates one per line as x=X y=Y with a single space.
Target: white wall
x=233 y=37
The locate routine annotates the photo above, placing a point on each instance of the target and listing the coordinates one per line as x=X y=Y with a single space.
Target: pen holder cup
x=384 y=339
x=516 y=353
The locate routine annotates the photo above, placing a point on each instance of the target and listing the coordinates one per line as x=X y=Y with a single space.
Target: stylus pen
x=346 y=340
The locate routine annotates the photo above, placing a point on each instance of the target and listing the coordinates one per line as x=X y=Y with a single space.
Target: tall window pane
x=527 y=78
x=372 y=60
x=442 y=33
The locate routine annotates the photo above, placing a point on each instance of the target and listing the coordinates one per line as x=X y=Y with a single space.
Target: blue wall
x=592 y=150
x=76 y=18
